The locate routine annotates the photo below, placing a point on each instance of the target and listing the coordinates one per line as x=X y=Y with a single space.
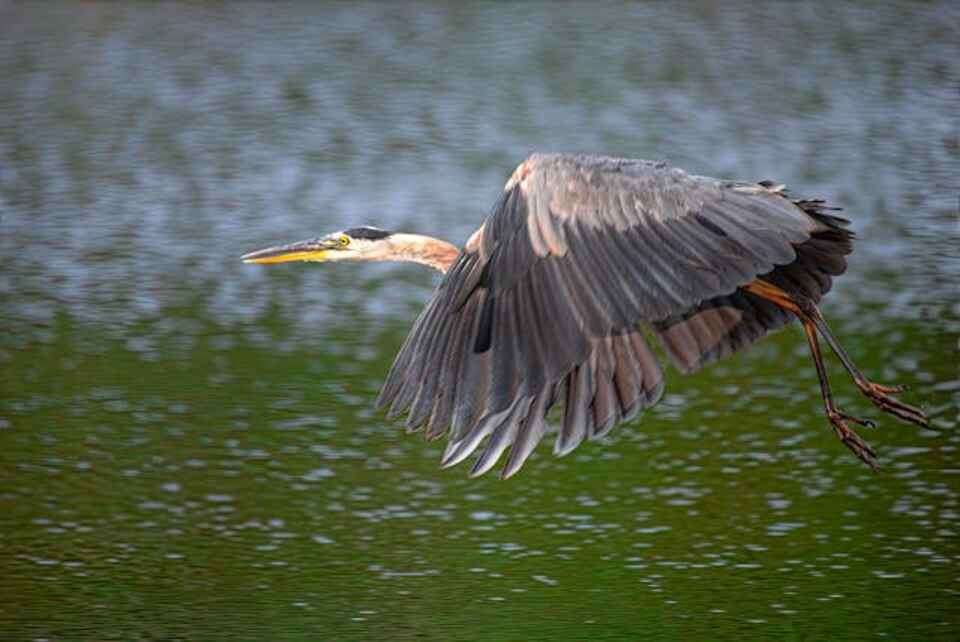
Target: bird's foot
x=851 y=439
x=880 y=395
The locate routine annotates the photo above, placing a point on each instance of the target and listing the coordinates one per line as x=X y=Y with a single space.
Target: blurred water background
x=188 y=449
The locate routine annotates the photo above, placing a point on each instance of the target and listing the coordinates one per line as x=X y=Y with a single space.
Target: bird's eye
x=344 y=241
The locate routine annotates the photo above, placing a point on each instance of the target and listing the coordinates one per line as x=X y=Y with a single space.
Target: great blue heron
x=548 y=300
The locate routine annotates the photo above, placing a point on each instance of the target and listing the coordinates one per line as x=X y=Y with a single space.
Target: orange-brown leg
x=838 y=419
x=879 y=394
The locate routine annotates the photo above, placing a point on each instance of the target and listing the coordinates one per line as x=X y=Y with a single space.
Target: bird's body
x=549 y=301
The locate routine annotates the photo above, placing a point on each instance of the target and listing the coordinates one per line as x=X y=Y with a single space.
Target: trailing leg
x=838 y=419
x=813 y=322
x=808 y=312
x=879 y=394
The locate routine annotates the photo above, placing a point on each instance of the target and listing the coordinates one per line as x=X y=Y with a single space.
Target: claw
x=851 y=439
x=867 y=423
x=894 y=389
x=880 y=396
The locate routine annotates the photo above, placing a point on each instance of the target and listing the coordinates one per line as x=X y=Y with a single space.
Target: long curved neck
x=417 y=248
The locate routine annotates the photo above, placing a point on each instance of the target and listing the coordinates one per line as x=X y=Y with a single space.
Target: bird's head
x=355 y=244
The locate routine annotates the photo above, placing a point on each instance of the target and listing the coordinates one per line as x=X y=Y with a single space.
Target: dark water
x=187 y=444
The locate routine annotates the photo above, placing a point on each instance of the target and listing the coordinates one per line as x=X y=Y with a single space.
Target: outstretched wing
x=544 y=303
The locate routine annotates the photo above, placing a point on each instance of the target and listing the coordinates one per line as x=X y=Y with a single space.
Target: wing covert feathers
x=546 y=303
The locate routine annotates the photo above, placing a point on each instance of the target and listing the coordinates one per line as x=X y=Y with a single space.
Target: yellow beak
x=313 y=250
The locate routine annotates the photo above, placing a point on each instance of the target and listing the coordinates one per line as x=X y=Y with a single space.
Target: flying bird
x=549 y=302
